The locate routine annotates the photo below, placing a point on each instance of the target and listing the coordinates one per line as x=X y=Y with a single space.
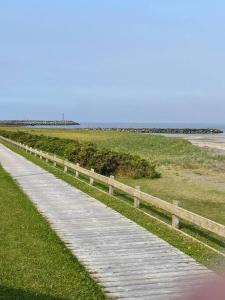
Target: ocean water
x=142 y=125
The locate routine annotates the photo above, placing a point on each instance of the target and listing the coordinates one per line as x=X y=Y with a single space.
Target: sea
x=142 y=125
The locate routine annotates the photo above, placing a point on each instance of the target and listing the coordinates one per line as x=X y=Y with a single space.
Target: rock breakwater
x=38 y=123
x=164 y=130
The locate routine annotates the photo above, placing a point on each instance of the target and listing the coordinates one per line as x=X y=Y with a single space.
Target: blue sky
x=114 y=60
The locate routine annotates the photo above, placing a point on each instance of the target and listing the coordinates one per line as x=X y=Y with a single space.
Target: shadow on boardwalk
x=8 y=293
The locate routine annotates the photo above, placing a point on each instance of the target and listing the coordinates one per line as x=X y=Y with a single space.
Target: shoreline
x=215 y=142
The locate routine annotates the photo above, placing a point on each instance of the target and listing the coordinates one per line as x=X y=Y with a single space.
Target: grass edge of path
x=28 y=229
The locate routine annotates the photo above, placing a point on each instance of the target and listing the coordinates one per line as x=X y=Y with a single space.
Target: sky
x=113 y=61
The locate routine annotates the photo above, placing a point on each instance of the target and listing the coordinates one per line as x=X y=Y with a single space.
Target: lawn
x=193 y=176
x=35 y=264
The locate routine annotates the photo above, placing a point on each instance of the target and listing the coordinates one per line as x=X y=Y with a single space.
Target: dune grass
x=34 y=263
x=159 y=149
x=193 y=176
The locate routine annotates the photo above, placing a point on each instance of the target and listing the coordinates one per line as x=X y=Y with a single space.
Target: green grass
x=193 y=176
x=34 y=263
x=160 y=149
x=186 y=244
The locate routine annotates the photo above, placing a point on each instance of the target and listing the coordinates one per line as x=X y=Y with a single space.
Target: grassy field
x=35 y=264
x=191 y=175
x=160 y=149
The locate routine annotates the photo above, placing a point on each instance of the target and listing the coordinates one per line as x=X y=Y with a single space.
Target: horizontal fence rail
x=176 y=211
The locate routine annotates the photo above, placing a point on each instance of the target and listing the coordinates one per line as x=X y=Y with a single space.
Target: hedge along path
x=104 y=161
x=128 y=261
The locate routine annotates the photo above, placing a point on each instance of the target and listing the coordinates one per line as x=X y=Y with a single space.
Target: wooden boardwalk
x=128 y=261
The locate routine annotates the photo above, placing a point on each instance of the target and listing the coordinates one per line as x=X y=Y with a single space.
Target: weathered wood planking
x=128 y=261
x=184 y=214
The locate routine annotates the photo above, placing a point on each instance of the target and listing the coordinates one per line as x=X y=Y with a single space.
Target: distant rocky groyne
x=37 y=123
x=164 y=130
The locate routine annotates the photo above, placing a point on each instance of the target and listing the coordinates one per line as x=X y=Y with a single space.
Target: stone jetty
x=164 y=130
x=37 y=123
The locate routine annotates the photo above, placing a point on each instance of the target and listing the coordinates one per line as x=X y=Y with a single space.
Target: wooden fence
x=176 y=211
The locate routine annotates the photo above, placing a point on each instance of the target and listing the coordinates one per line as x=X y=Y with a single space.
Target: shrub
x=88 y=155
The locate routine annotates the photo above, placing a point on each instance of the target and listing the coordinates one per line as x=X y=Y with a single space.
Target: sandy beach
x=216 y=142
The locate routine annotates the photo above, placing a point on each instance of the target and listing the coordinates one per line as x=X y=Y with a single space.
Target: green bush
x=88 y=155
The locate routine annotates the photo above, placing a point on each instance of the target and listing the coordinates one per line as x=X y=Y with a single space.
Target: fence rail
x=176 y=211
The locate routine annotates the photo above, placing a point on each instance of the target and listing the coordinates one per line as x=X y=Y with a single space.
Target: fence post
x=92 y=179
x=54 y=162
x=46 y=158
x=175 y=219
x=40 y=154
x=137 y=199
x=26 y=148
x=65 y=167
x=111 y=189
x=77 y=173
x=35 y=153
